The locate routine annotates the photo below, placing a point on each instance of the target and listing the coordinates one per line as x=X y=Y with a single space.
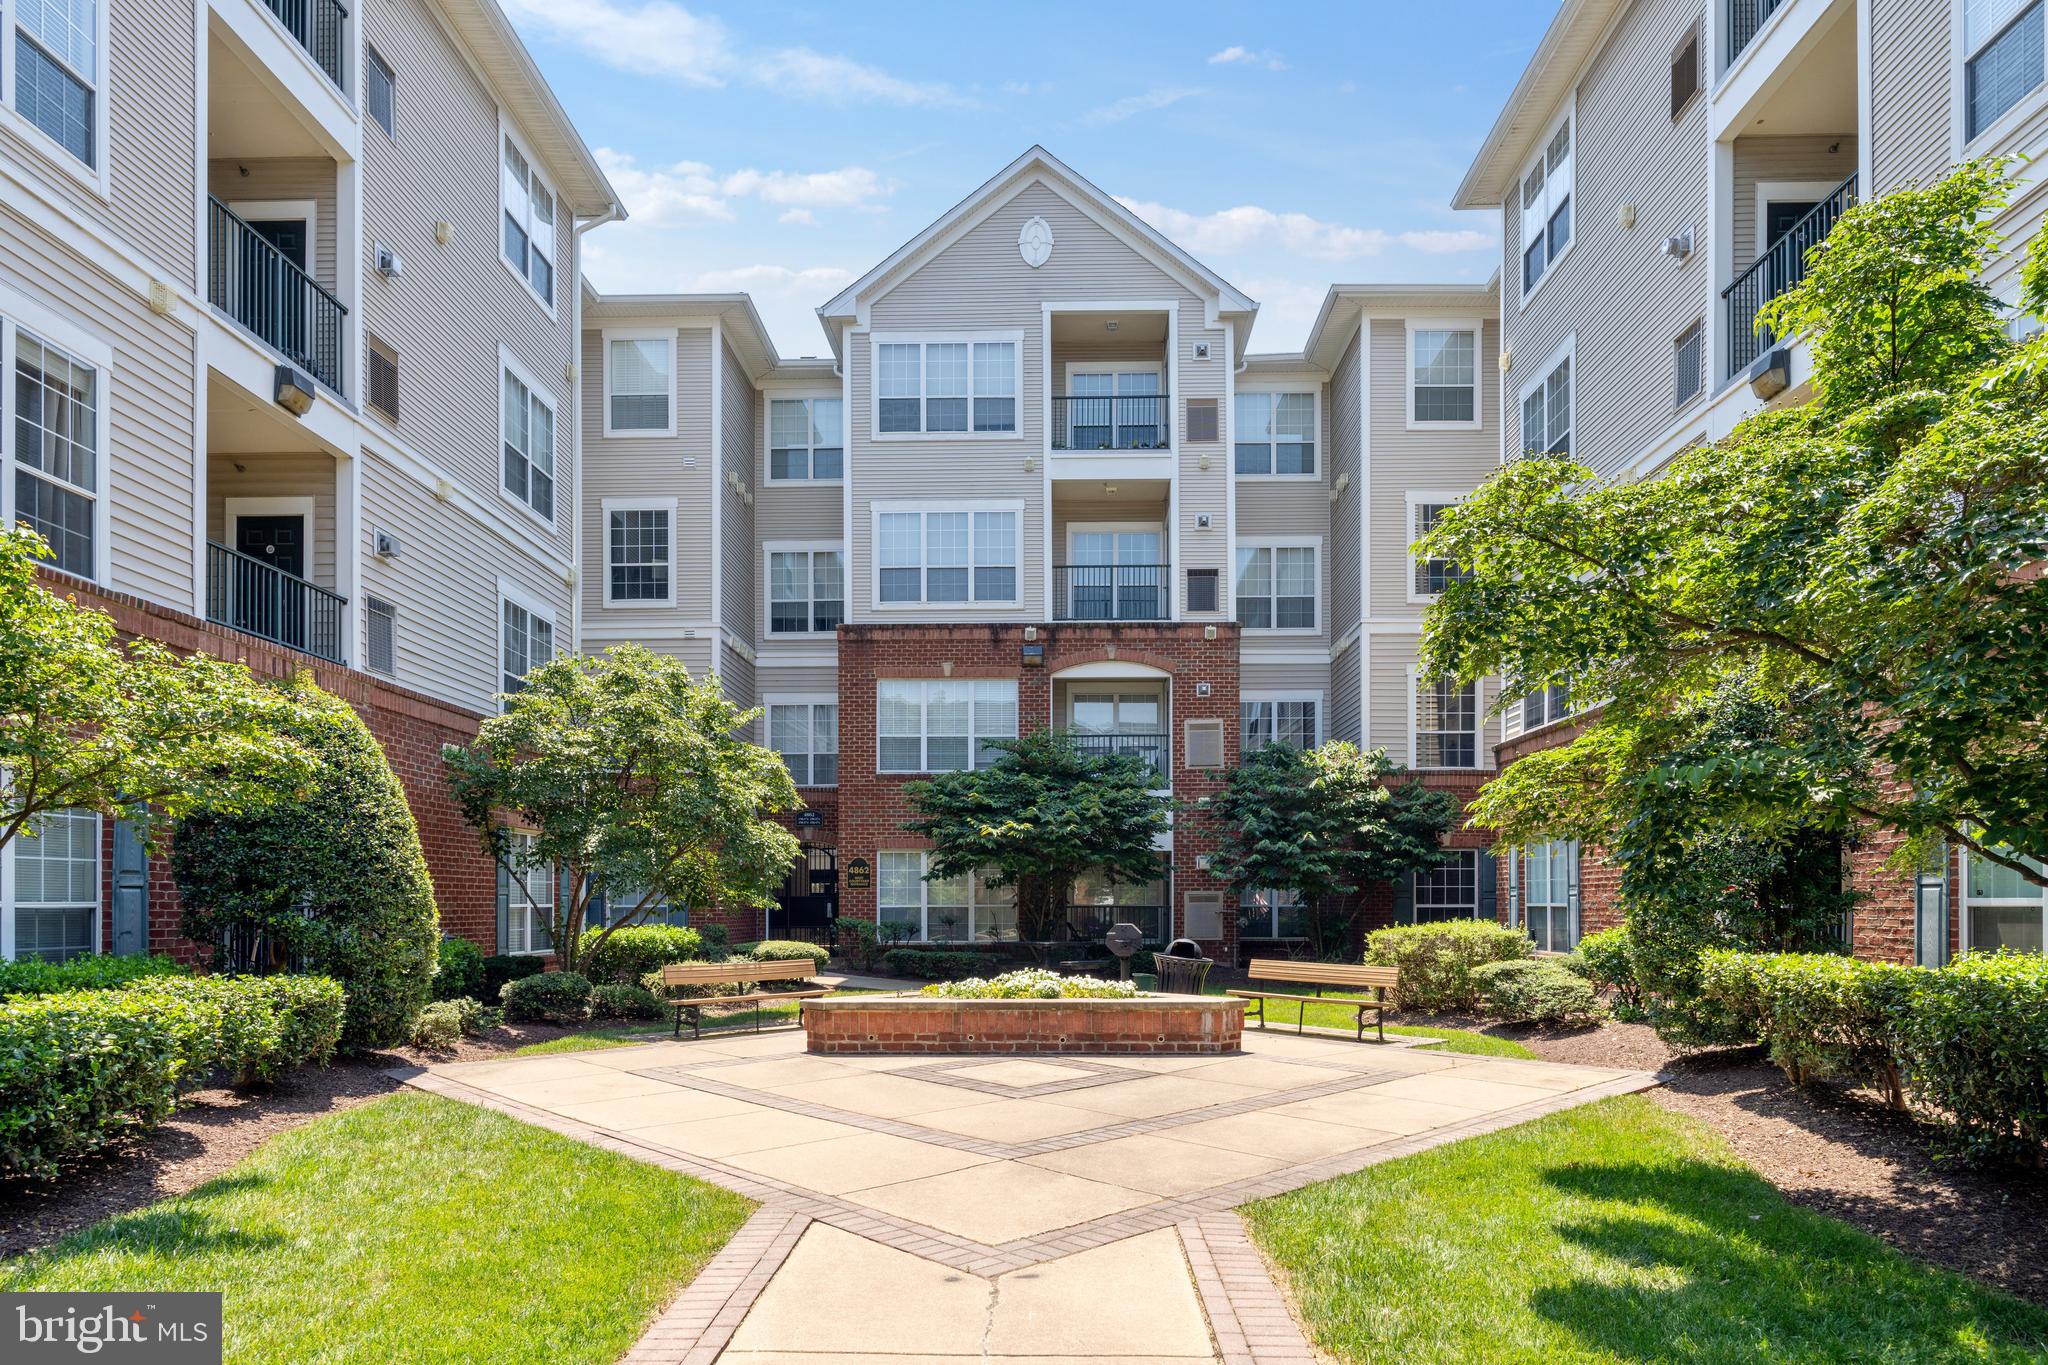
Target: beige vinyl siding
x=1078 y=507
x=271 y=179
x=456 y=304
x=736 y=679
x=1340 y=397
x=1622 y=297
x=804 y=680
x=1253 y=676
x=1760 y=159
x=293 y=474
x=738 y=550
x=1269 y=508
x=1392 y=700
x=1911 y=118
x=1342 y=720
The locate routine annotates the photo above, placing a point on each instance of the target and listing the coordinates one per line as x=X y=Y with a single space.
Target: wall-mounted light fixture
x=294 y=391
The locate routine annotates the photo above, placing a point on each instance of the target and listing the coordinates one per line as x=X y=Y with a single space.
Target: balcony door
x=1114 y=406
x=273 y=560
x=1117 y=572
x=272 y=261
x=1111 y=720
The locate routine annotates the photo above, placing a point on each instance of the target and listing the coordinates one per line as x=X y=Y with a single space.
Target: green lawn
x=625 y=1035
x=419 y=1229
x=1614 y=1232
x=1329 y=1014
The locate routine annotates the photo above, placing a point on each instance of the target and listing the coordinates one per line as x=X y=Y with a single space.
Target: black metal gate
x=809 y=900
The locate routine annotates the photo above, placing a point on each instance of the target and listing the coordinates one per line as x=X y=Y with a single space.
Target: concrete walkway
x=1031 y=1211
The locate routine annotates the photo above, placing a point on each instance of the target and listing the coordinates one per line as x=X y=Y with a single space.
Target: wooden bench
x=735 y=974
x=1335 y=975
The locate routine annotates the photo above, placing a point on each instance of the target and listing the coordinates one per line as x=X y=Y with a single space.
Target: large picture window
x=529 y=441
x=2004 y=52
x=941 y=726
x=806 y=734
x=804 y=436
x=1274 y=433
x=57 y=886
x=56 y=434
x=1449 y=890
x=945 y=556
x=945 y=387
x=55 y=54
x=806 y=591
x=529 y=219
x=1268 y=912
x=1276 y=587
x=2005 y=909
x=945 y=909
x=1547 y=207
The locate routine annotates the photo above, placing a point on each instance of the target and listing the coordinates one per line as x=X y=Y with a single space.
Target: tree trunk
x=1041 y=906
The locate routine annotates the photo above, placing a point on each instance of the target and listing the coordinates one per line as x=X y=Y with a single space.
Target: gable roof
x=740 y=324
x=1037 y=164
x=1532 y=105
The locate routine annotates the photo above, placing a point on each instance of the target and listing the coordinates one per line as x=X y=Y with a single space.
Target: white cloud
x=1238 y=55
x=1124 y=108
x=818 y=282
x=1251 y=228
x=1446 y=241
x=1287 y=309
x=691 y=192
x=846 y=188
x=799 y=217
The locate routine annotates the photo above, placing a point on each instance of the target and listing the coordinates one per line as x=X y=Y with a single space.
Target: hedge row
x=1438 y=961
x=938 y=964
x=33 y=976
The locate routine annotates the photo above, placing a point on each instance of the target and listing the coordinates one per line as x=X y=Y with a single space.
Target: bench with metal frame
x=736 y=974
x=1335 y=975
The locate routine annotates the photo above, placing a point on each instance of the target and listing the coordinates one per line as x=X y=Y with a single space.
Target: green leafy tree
x=1865 y=567
x=1325 y=824
x=130 y=730
x=1040 y=815
x=331 y=880
x=634 y=782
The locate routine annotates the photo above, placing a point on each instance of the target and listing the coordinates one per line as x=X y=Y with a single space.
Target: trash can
x=1181 y=967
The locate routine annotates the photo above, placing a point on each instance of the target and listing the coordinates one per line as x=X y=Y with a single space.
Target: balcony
x=320 y=27
x=1151 y=747
x=246 y=594
x=252 y=281
x=1782 y=266
x=1103 y=422
x=1742 y=21
x=1089 y=923
x=1111 y=592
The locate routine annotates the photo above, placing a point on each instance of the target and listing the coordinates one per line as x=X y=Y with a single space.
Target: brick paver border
x=1248 y=1314
x=700 y=1322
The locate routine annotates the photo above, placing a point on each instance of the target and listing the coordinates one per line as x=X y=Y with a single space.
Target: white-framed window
x=1446 y=725
x=1290 y=718
x=1449 y=890
x=805 y=731
x=2005 y=52
x=639 y=383
x=1544 y=706
x=952 y=386
x=57 y=881
x=1277 y=584
x=1112 y=405
x=1548 y=894
x=526 y=634
x=1273 y=432
x=1547 y=412
x=528 y=900
x=1270 y=912
x=639 y=552
x=54 y=66
x=1443 y=375
x=806 y=588
x=527 y=433
x=528 y=218
x=2002 y=908
x=941 y=725
x=380 y=91
x=944 y=910
x=1546 y=219
x=805 y=437
x=1431 y=576
x=55 y=437
x=956 y=552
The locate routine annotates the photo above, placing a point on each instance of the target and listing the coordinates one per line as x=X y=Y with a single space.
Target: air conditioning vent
x=383 y=367
x=386 y=544
x=380 y=620
x=1205 y=744
x=1204 y=915
x=1685 y=73
x=1202 y=589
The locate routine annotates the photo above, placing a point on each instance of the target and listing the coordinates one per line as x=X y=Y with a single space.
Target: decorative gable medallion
x=1034 y=242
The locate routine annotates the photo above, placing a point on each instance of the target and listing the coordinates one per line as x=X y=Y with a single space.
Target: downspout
x=611 y=215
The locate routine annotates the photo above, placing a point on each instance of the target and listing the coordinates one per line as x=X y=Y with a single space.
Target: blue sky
x=784 y=149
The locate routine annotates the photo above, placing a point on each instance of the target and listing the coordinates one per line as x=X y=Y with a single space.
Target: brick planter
x=1151 y=1024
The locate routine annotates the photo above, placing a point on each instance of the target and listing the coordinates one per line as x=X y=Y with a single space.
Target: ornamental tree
x=1039 y=816
x=634 y=782
x=1325 y=824
x=130 y=730
x=1868 y=566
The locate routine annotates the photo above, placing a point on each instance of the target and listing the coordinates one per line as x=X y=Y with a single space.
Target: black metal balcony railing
x=1110 y=592
x=321 y=27
x=1125 y=422
x=1088 y=923
x=258 y=286
x=1149 y=747
x=1777 y=270
x=1745 y=19
x=249 y=595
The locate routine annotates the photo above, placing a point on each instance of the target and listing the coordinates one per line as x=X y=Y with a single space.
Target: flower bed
x=936 y=1023
x=1033 y=983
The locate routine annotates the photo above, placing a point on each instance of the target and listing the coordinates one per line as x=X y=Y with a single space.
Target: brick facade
x=1160 y=1025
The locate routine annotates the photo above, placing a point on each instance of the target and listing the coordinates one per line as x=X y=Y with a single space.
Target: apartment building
x=288 y=292
x=1661 y=170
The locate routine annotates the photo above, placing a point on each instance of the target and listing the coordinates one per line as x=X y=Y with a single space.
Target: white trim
x=772 y=548
x=1110 y=670
x=283 y=211
x=1477 y=328
x=1791 y=191
x=718 y=488
x=234 y=509
x=533 y=605
x=665 y=335
x=2000 y=130
x=1314 y=390
x=607 y=506
x=1569 y=115
x=9 y=882
x=1480 y=752
x=18 y=314
x=1259 y=695
x=1014 y=337
x=535 y=391
x=508 y=130
x=1568 y=349
x=928 y=507
x=813 y=700
x=1113 y=527
x=1365 y=544
x=98 y=176
x=766 y=435
x=1281 y=543
x=1966 y=904
x=975 y=736
x=1414 y=499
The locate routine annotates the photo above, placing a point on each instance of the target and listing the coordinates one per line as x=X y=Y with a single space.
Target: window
x=945 y=387
x=1688 y=363
x=639 y=551
x=1275 y=433
x=1276 y=587
x=1432 y=576
x=56 y=450
x=528 y=641
x=2005 y=909
x=950 y=909
x=1446 y=725
x=954 y=556
x=1547 y=207
x=1549 y=875
x=379 y=91
x=529 y=217
x=930 y=727
x=1547 y=413
x=2003 y=54
x=56 y=71
x=529 y=438
x=1268 y=912
x=1685 y=73
x=639 y=377
x=1291 y=721
x=804 y=436
x=380 y=624
x=57 y=886
x=1443 y=376
x=1546 y=706
x=806 y=734
x=806 y=591
x=526 y=900
x=1450 y=890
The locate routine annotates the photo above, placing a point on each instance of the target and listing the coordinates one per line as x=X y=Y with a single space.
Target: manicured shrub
x=1436 y=960
x=783 y=950
x=445 y=1023
x=1033 y=983
x=333 y=881
x=1972 y=1040
x=459 y=969
x=33 y=976
x=616 y=1000
x=717 y=942
x=548 y=998
x=1537 y=991
x=936 y=964
x=1605 y=957
x=500 y=968
x=858 y=942
x=895 y=931
x=259 y=1027
x=628 y=954
x=1821 y=1014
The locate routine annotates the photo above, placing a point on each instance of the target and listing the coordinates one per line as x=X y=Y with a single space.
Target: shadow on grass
x=184 y=1229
